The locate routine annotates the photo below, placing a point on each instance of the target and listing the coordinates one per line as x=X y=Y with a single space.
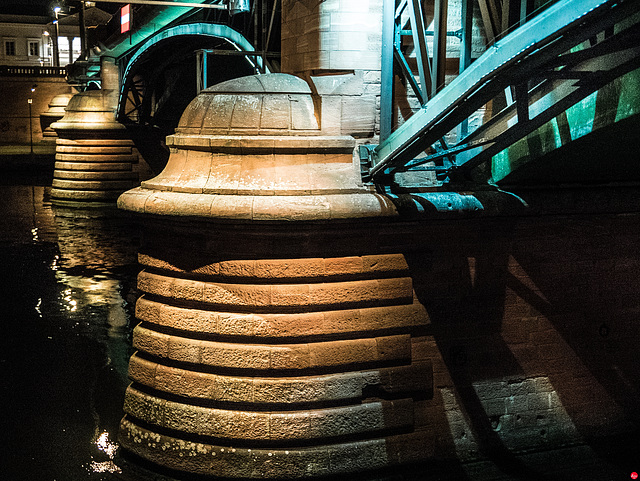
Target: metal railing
x=32 y=71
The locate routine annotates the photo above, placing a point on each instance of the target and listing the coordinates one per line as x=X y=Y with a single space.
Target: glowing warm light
x=73 y=304
x=634 y=475
x=109 y=448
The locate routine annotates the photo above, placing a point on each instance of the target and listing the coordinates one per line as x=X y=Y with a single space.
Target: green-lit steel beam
x=235 y=39
x=169 y=4
x=515 y=58
x=154 y=22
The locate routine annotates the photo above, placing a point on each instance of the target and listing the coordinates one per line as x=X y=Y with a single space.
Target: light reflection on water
x=104 y=444
x=67 y=296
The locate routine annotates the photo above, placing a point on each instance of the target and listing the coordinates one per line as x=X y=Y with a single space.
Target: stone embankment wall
x=534 y=331
x=14 y=108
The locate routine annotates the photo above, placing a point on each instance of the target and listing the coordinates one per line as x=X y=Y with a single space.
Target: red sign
x=125 y=18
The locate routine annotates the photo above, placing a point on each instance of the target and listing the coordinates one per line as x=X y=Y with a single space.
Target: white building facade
x=29 y=41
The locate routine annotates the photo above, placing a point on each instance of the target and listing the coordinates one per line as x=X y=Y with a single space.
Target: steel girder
x=559 y=57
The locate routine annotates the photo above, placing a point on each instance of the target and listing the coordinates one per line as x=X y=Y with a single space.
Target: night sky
x=27 y=7
x=44 y=7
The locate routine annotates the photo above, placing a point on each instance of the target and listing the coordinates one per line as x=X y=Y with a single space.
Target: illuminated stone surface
x=54 y=113
x=94 y=157
x=279 y=336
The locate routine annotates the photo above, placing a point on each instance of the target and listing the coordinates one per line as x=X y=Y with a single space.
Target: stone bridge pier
x=95 y=159
x=279 y=337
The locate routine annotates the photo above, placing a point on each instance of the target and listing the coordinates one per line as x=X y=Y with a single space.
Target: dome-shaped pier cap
x=89 y=110
x=252 y=149
x=94 y=156
x=52 y=114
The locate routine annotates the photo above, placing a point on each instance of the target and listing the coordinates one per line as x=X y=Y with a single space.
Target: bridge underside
x=540 y=106
x=592 y=159
x=161 y=83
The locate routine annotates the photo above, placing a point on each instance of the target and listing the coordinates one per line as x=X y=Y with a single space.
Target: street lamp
x=30 y=101
x=56 y=52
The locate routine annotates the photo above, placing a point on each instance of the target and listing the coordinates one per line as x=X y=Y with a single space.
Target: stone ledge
x=282 y=269
x=277 y=463
x=94 y=166
x=272 y=208
x=396 y=380
x=335 y=355
x=256 y=426
x=262 y=141
x=282 y=325
x=94 y=142
x=291 y=295
x=84 y=195
x=82 y=158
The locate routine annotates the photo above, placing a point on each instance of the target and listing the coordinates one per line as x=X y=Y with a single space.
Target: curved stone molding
x=94 y=157
x=272 y=463
x=279 y=334
x=54 y=113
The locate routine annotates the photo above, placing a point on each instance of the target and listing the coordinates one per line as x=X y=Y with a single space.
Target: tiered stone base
x=93 y=170
x=280 y=368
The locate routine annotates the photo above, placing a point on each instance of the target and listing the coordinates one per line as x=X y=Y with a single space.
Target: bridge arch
x=161 y=77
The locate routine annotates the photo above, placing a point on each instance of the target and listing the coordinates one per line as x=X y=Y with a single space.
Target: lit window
x=10 y=48
x=34 y=49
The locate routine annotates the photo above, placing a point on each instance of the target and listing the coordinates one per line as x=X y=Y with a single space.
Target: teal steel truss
x=538 y=66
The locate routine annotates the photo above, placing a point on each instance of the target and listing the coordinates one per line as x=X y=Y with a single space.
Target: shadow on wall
x=535 y=327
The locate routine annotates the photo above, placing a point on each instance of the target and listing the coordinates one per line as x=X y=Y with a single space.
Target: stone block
x=384 y=263
x=235 y=295
x=291 y=208
x=233 y=389
x=188 y=290
x=144 y=406
x=257 y=175
x=275 y=112
x=142 y=371
x=290 y=295
x=232 y=207
x=289 y=268
x=194 y=117
x=246 y=112
x=236 y=356
x=233 y=324
x=294 y=356
x=236 y=268
x=184 y=350
x=394 y=347
x=302 y=113
x=346 y=320
x=288 y=325
x=335 y=353
x=150 y=342
x=358 y=114
x=217 y=110
x=517 y=404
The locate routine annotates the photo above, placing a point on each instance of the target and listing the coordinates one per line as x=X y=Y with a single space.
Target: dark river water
x=67 y=296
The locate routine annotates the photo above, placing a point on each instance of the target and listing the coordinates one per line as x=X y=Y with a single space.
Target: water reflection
x=104 y=444
x=67 y=296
